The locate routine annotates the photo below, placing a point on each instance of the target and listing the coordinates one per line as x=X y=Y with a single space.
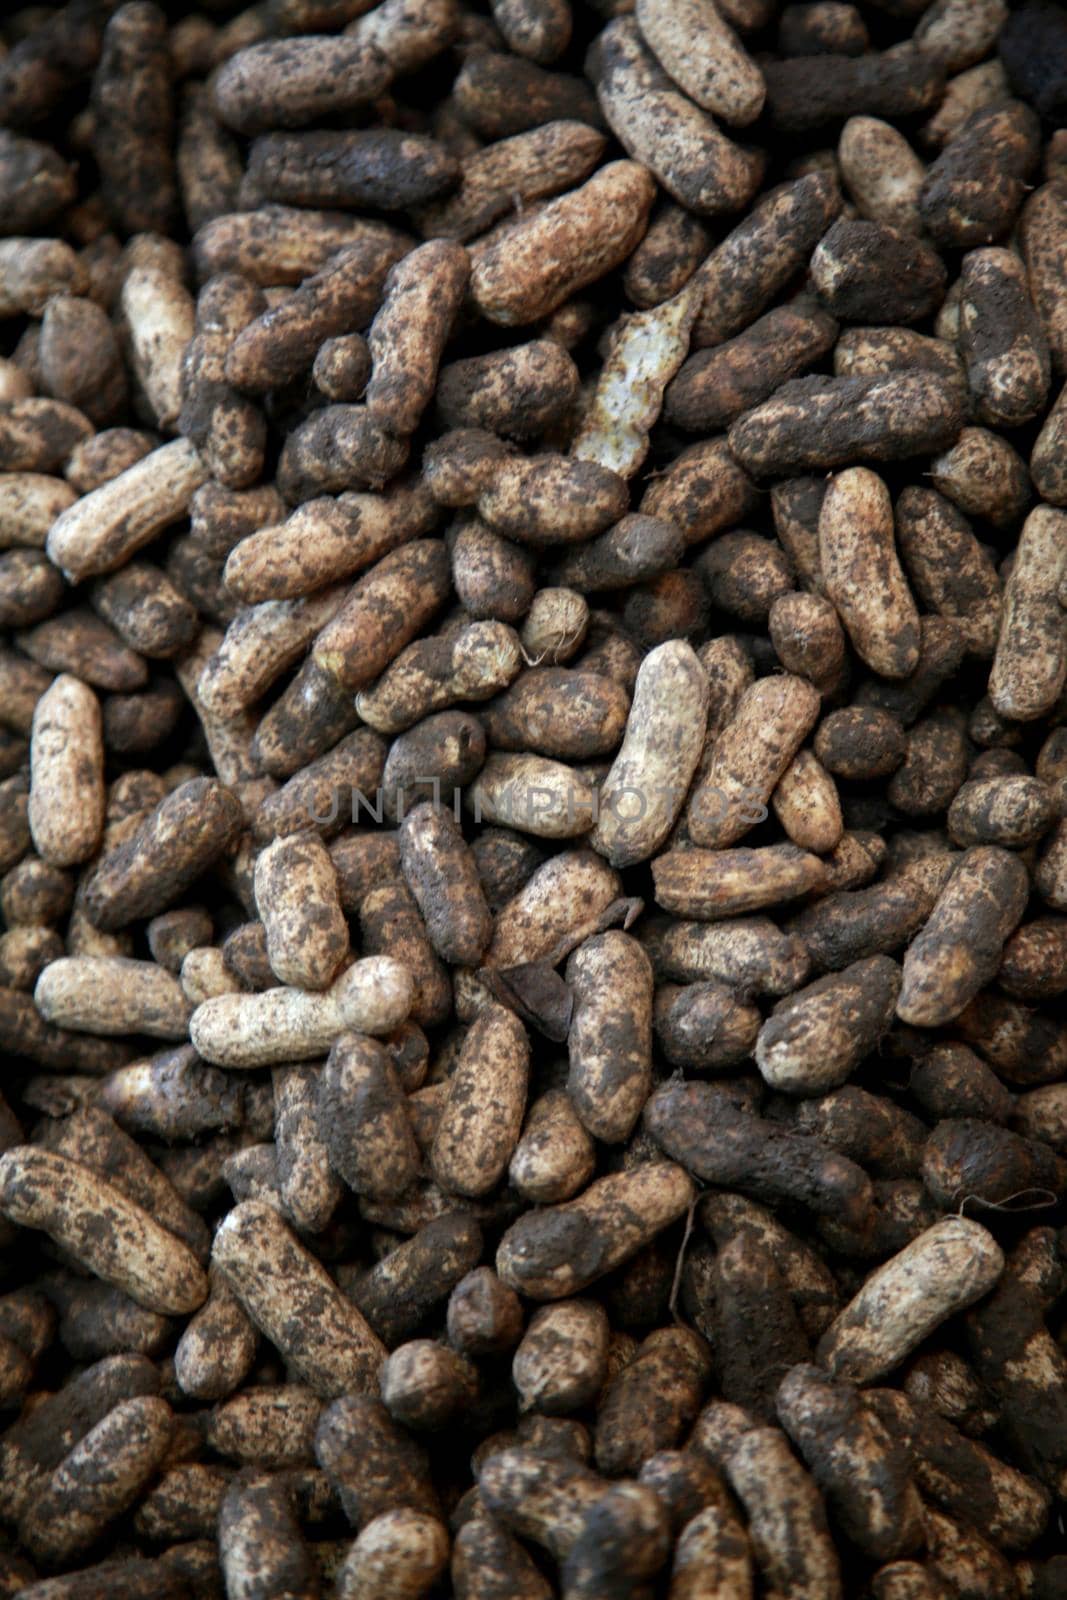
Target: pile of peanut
x=533 y=800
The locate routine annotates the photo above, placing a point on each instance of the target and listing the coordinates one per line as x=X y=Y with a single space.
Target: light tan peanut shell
x=646 y=787
x=480 y=1124
x=112 y=995
x=610 y=1038
x=102 y=1228
x=553 y=908
x=1030 y=664
x=524 y=270
x=786 y=1517
x=99 y=532
x=862 y=573
x=704 y=57
x=298 y=900
x=256 y=1030
x=292 y=1299
x=944 y=1270
x=772 y=719
x=397 y=1556
x=67 y=800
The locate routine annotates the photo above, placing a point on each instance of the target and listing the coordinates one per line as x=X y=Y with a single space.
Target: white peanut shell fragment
x=646 y=351
x=258 y=1030
x=945 y=1270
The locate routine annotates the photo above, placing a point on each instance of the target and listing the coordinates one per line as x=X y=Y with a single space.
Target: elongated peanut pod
x=103 y=1229
x=614 y=1217
x=1030 y=664
x=100 y=532
x=862 y=573
x=482 y=1118
x=528 y=268
x=293 y=1300
x=646 y=787
x=610 y=1039
x=257 y=1030
x=960 y=947
x=772 y=719
x=787 y=1521
x=112 y=995
x=101 y=1477
x=397 y=1556
x=943 y=1271
x=66 y=812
